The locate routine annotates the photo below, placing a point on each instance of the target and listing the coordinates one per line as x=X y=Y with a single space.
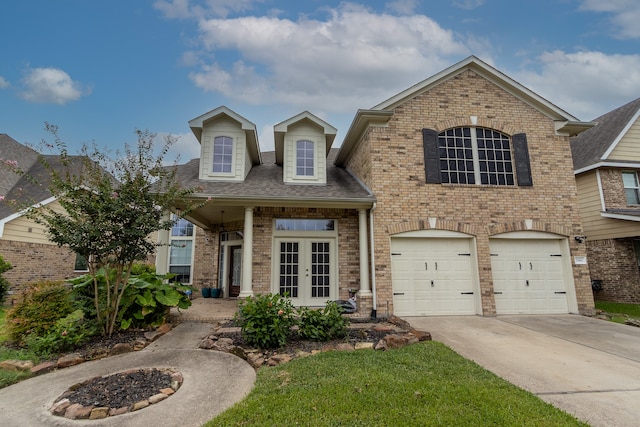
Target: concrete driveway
x=588 y=367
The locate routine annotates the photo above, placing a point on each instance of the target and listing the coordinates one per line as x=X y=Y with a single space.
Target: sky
x=99 y=70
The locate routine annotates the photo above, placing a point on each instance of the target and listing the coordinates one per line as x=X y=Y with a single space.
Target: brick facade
x=614 y=262
x=396 y=174
x=613 y=188
x=34 y=262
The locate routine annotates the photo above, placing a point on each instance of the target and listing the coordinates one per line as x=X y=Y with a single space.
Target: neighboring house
x=24 y=243
x=606 y=160
x=454 y=197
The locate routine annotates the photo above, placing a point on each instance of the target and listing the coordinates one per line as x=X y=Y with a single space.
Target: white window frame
x=226 y=141
x=635 y=187
x=306 y=150
x=178 y=237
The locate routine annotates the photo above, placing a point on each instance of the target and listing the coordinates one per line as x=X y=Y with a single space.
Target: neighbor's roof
x=592 y=146
x=265 y=182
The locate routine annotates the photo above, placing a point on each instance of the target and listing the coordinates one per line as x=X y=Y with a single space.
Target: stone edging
x=64 y=408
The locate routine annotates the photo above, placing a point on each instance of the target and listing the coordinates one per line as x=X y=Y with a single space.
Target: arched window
x=470 y=155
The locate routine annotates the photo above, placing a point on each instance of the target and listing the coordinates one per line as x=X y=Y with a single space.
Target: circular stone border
x=63 y=407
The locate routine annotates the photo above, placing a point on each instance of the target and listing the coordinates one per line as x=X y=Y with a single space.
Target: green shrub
x=43 y=305
x=4 y=284
x=67 y=334
x=145 y=302
x=266 y=320
x=322 y=324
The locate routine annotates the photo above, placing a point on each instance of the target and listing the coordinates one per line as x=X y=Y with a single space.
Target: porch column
x=364 y=253
x=162 y=253
x=247 y=255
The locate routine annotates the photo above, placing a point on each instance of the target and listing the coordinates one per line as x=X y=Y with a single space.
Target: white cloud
x=181 y=9
x=585 y=84
x=403 y=7
x=625 y=15
x=50 y=85
x=352 y=59
x=186 y=147
x=468 y=4
x=3 y=83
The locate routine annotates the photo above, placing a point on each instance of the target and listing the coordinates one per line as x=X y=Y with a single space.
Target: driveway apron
x=588 y=367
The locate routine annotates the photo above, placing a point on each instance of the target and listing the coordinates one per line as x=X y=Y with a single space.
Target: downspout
x=373 y=263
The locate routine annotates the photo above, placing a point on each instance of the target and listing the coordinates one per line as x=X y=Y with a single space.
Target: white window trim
x=234 y=149
x=191 y=238
x=636 y=188
x=313 y=177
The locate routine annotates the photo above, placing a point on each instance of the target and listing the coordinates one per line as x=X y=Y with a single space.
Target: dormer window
x=304 y=158
x=222 y=154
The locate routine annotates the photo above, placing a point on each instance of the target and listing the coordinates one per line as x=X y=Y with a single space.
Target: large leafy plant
x=322 y=324
x=146 y=300
x=266 y=320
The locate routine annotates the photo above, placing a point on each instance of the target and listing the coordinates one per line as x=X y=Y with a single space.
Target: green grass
x=424 y=384
x=619 y=312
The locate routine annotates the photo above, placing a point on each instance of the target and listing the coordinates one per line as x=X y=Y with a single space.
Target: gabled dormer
x=228 y=145
x=302 y=144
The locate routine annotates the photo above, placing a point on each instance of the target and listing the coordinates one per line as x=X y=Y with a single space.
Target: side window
x=304 y=158
x=222 y=154
x=81 y=263
x=181 y=250
x=631 y=188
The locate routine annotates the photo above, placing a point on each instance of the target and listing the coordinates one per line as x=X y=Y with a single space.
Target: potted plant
x=216 y=292
x=206 y=292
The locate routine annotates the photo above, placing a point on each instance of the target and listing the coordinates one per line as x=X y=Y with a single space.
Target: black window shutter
x=523 y=165
x=431 y=156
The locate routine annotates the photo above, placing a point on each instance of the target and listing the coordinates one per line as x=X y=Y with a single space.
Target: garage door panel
x=528 y=277
x=430 y=277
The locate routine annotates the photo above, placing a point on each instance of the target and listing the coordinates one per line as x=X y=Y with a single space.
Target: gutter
x=373 y=264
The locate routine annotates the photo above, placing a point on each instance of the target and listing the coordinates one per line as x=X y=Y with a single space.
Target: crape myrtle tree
x=112 y=209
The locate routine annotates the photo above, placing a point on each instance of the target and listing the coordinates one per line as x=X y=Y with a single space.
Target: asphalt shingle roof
x=589 y=147
x=266 y=181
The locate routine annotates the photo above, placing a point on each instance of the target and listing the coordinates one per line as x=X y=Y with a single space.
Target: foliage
x=43 y=305
x=67 y=334
x=112 y=208
x=4 y=284
x=424 y=384
x=146 y=300
x=322 y=324
x=266 y=320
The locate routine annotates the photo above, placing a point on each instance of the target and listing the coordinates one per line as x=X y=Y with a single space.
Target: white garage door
x=432 y=276
x=529 y=276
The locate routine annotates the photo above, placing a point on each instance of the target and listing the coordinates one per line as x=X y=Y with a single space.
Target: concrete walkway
x=213 y=381
x=588 y=367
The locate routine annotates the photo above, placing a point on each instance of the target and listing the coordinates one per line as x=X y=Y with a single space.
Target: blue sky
x=100 y=69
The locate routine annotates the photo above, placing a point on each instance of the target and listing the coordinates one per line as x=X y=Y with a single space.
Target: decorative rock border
x=63 y=407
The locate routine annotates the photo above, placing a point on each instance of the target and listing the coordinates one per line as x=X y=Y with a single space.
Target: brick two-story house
x=455 y=196
x=607 y=161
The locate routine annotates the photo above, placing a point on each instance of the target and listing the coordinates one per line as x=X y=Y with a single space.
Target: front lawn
x=424 y=384
x=619 y=312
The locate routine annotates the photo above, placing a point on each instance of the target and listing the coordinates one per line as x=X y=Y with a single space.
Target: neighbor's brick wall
x=33 y=262
x=398 y=180
x=614 y=262
x=613 y=188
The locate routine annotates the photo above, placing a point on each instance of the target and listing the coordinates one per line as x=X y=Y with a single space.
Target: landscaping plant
x=4 y=284
x=67 y=334
x=112 y=209
x=43 y=305
x=266 y=320
x=322 y=324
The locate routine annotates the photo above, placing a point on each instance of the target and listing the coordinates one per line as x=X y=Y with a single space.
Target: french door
x=306 y=270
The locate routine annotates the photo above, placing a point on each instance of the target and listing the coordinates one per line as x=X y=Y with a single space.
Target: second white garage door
x=433 y=276
x=529 y=276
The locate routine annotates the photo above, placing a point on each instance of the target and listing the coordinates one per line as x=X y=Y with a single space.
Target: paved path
x=213 y=381
x=587 y=367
